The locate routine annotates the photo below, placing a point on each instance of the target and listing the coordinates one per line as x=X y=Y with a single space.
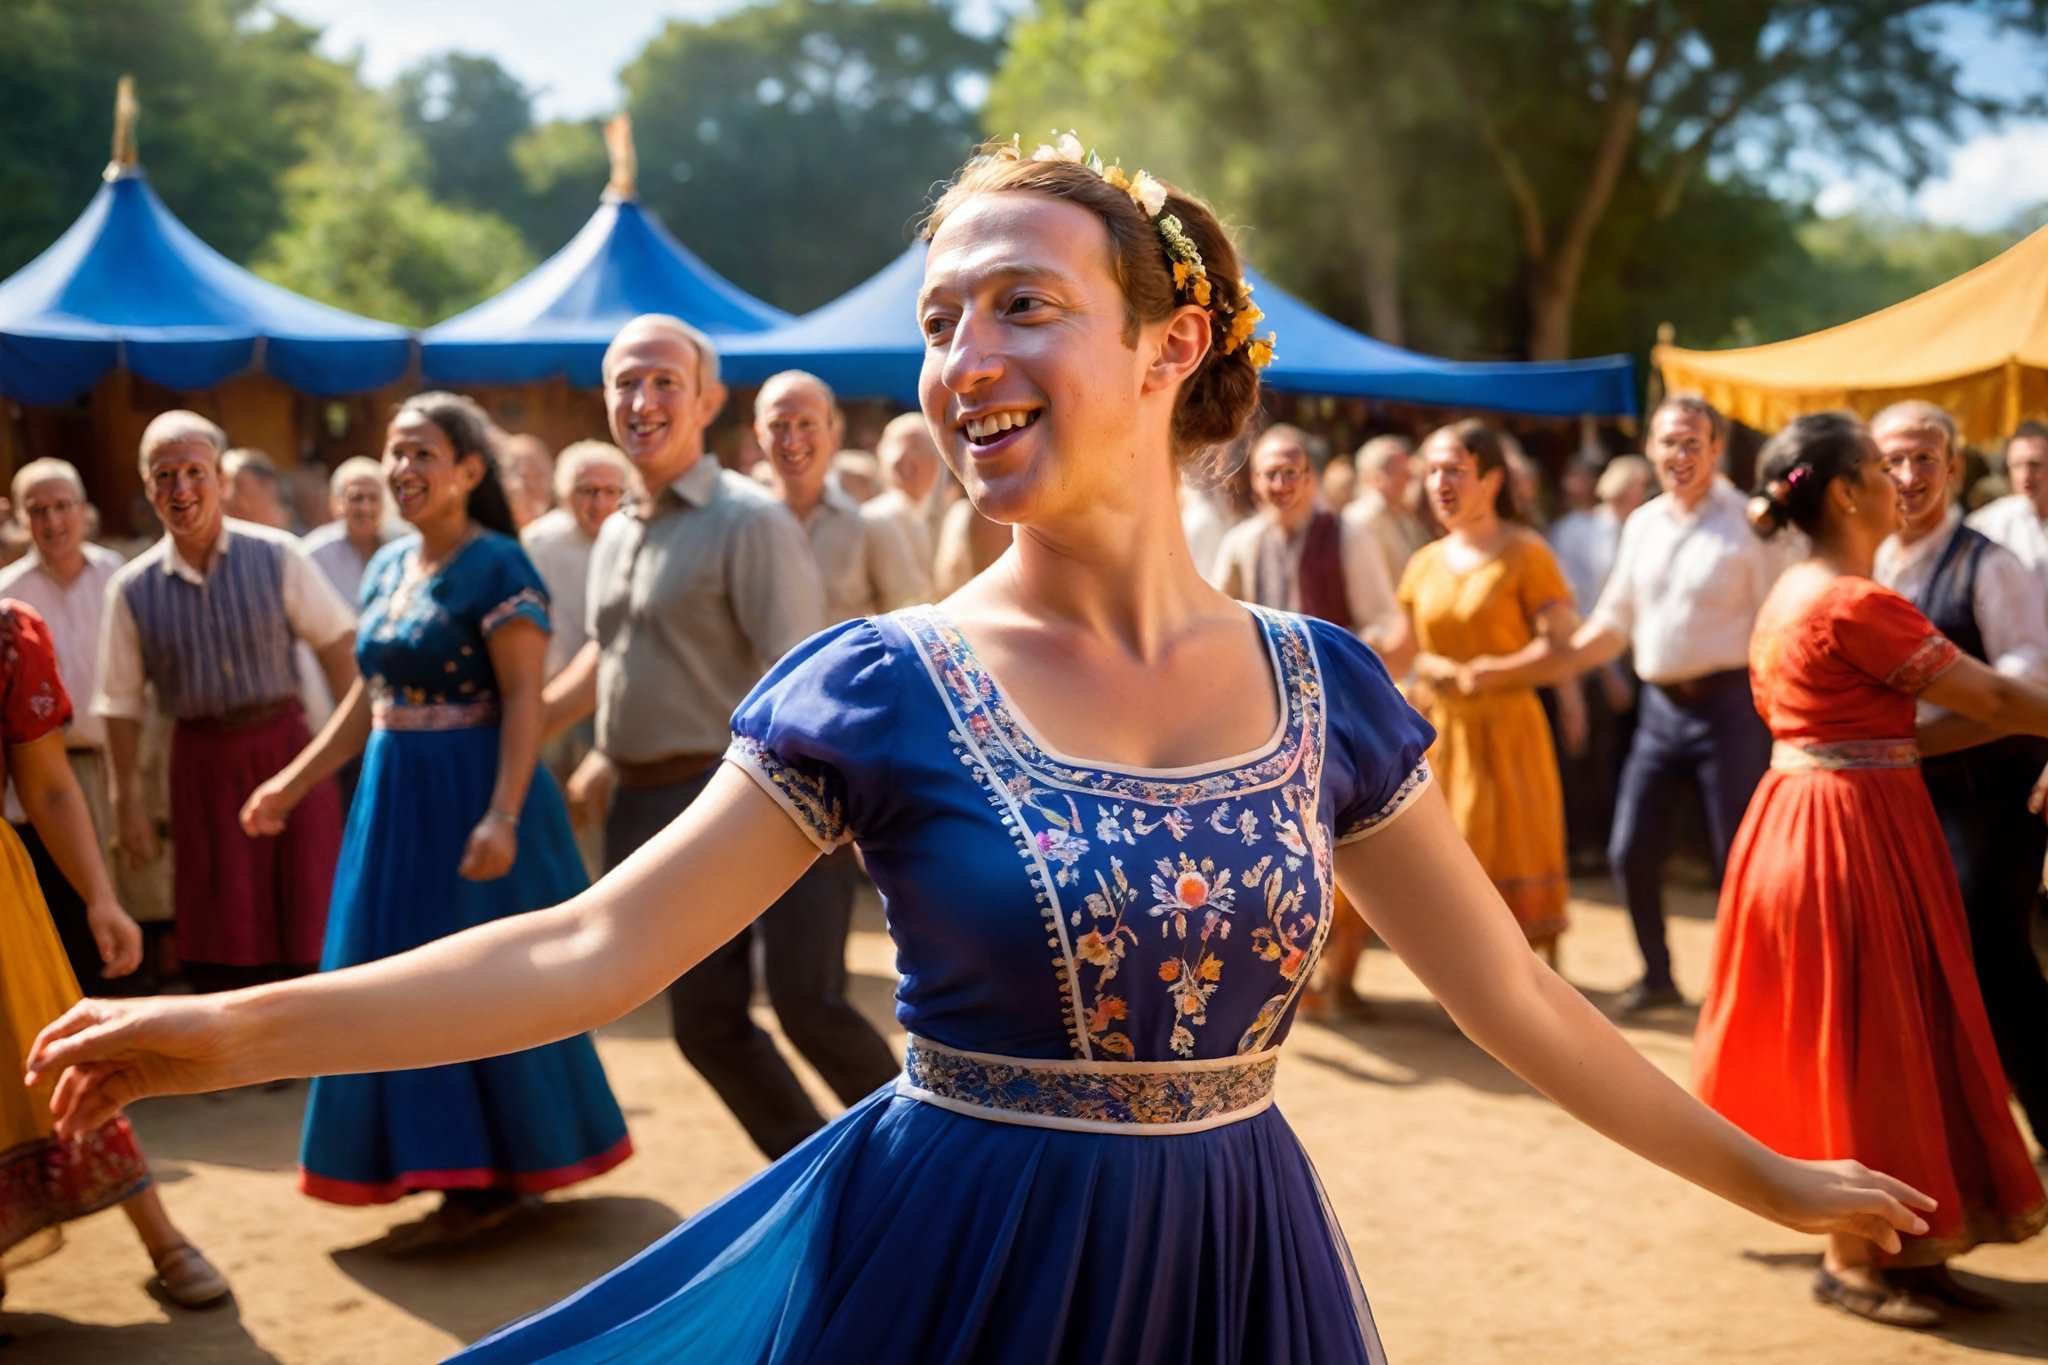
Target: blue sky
x=570 y=52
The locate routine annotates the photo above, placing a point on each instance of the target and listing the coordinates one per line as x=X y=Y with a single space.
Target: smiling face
x=428 y=483
x=183 y=478
x=658 y=403
x=55 y=512
x=1685 y=453
x=1917 y=459
x=1031 y=383
x=1459 y=495
x=798 y=429
x=2026 y=465
x=1281 y=481
x=361 y=506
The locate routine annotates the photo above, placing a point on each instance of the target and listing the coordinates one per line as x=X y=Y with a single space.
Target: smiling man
x=866 y=565
x=1684 y=592
x=209 y=616
x=1981 y=596
x=694 y=595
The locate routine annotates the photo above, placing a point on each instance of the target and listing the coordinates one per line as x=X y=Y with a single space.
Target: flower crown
x=1190 y=277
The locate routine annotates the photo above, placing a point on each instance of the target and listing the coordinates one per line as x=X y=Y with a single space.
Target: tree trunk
x=1552 y=303
x=1380 y=263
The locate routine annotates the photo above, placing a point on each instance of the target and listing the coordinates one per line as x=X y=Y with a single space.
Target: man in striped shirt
x=209 y=616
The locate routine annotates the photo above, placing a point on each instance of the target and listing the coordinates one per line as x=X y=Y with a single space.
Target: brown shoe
x=1890 y=1306
x=1935 y=1282
x=188 y=1279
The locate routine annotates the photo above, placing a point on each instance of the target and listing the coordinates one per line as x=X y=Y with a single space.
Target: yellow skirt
x=43 y=1181
x=1494 y=761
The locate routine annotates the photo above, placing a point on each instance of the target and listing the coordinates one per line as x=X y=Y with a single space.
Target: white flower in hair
x=1067 y=147
x=1150 y=194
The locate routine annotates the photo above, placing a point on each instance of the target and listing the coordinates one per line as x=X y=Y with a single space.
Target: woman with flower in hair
x=1843 y=1018
x=1107 y=808
x=454 y=824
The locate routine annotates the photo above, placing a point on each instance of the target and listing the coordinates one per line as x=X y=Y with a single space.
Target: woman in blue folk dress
x=1107 y=809
x=453 y=825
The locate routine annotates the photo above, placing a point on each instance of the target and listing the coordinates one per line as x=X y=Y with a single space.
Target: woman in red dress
x=1843 y=1016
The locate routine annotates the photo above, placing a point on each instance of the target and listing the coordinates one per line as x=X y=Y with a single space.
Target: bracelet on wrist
x=502 y=816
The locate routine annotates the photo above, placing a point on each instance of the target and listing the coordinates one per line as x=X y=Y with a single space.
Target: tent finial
x=618 y=144
x=125 y=110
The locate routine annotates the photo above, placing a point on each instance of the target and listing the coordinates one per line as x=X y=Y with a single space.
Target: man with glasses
x=64 y=577
x=593 y=479
x=361 y=527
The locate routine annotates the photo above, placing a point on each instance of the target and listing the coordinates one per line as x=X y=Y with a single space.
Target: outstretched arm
x=512 y=984
x=1425 y=894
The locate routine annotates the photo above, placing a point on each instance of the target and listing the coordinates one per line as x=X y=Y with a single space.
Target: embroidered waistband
x=1133 y=1098
x=387 y=713
x=1844 y=754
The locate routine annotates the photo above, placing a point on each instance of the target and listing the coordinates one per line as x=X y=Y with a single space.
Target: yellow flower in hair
x=1115 y=176
x=1261 y=353
x=1202 y=290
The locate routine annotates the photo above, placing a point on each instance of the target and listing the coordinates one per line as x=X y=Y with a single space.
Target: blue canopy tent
x=558 y=320
x=129 y=285
x=865 y=343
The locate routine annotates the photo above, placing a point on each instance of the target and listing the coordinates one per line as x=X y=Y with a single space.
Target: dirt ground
x=1488 y=1227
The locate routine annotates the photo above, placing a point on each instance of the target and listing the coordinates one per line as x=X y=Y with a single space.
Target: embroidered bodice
x=422 y=643
x=1044 y=906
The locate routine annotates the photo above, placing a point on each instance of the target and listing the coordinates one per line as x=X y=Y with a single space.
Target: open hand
x=109 y=1053
x=1848 y=1197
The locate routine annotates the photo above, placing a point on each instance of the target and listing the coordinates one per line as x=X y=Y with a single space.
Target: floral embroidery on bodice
x=1158 y=889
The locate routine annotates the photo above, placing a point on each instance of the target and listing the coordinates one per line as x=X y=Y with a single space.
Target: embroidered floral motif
x=1134 y=1093
x=1934 y=657
x=1844 y=755
x=46 y=1181
x=510 y=607
x=388 y=713
x=1413 y=783
x=1071 y=847
x=811 y=799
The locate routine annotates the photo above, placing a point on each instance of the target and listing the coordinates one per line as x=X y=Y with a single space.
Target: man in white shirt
x=910 y=471
x=867 y=566
x=64 y=577
x=1296 y=556
x=2019 y=521
x=1687 y=582
x=593 y=479
x=361 y=526
x=1994 y=608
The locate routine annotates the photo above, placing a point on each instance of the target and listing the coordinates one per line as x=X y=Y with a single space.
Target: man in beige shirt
x=1385 y=466
x=693 y=596
x=866 y=565
x=910 y=473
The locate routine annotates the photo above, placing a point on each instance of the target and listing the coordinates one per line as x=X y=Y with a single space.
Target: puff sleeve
x=33 y=701
x=1886 y=638
x=815 y=733
x=1374 y=764
x=508 y=588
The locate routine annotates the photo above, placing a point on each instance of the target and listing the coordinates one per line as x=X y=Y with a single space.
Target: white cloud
x=1990 y=179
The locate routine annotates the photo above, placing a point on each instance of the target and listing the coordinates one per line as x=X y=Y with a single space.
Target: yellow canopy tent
x=1977 y=345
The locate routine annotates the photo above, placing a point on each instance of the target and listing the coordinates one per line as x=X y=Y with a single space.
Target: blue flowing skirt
x=531 y=1121
x=907 y=1232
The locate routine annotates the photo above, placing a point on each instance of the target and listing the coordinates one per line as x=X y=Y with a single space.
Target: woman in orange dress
x=1843 y=1016
x=1490 y=587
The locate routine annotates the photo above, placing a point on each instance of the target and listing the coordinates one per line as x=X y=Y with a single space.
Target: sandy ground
x=1487 y=1226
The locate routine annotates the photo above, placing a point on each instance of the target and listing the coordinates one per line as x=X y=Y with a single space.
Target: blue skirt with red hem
x=529 y=1121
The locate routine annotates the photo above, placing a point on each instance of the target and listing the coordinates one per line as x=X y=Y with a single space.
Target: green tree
x=362 y=233
x=468 y=113
x=232 y=96
x=790 y=143
x=1547 y=144
x=562 y=171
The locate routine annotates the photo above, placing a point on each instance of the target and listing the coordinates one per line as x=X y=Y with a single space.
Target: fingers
x=120 y=950
x=80 y=1035
x=87 y=1097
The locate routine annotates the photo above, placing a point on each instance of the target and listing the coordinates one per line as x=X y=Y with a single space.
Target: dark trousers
x=67 y=912
x=1981 y=798
x=1718 y=741
x=803 y=950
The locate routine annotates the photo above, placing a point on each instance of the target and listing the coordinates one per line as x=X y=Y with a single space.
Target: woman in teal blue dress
x=453 y=825
x=1107 y=809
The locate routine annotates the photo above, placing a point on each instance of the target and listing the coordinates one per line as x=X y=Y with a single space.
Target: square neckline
x=1280 y=680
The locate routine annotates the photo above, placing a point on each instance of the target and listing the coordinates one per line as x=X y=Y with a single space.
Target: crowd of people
x=388 y=747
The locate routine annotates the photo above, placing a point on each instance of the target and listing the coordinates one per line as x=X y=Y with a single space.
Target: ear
x=709 y=402
x=1841 y=496
x=1182 y=346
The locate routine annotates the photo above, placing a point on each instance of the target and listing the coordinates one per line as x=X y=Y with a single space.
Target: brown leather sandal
x=1892 y=1307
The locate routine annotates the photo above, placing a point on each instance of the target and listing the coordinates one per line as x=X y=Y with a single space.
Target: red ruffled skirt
x=1843 y=1017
